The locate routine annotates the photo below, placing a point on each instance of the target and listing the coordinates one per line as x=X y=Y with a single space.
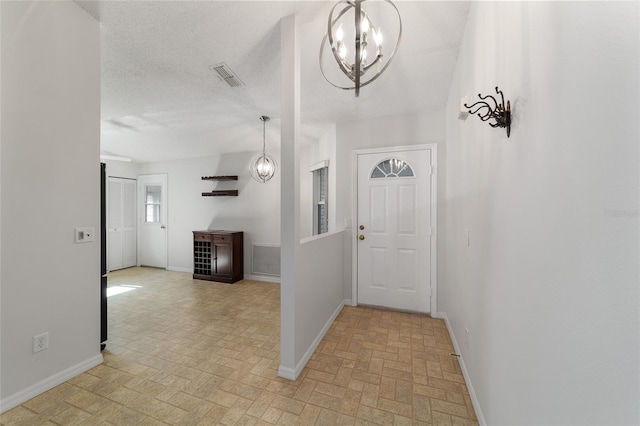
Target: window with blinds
x=320 y=197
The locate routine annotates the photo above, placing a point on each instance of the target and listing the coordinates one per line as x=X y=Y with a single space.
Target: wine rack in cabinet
x=218 y=256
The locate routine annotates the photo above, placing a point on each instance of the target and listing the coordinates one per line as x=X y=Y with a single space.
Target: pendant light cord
x=264 y=120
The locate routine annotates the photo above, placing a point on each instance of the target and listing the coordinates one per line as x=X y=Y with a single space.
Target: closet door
x=114 y=227
x=129 y=223
x=121 y=219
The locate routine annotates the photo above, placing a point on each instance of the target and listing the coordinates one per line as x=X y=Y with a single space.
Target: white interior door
x=114 y=227
x=121 y=219
x=152 y=190
x=394 y=217
x=129 y=234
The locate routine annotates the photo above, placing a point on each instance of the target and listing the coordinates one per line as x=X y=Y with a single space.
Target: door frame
x=434 y=217
x=140 y=208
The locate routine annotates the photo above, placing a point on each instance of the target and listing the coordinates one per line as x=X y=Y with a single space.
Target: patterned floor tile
x=191 y=352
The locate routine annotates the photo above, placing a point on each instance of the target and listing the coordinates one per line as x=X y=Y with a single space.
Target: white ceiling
x=161 y=100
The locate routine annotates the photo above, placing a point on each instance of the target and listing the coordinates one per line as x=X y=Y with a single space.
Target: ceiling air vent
x=225 y=74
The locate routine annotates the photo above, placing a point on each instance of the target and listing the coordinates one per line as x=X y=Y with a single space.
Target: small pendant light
x=263 y=167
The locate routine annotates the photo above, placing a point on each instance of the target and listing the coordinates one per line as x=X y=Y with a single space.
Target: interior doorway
x=152 y=219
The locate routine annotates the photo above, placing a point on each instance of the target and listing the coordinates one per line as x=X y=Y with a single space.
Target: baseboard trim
x=291 y=374
x=179 y=269
x=287 y=373
x=465 y=372
x=48 y=383
x=263 y=278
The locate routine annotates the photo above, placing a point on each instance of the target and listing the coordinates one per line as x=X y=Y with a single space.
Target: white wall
x=311 y=284
x=255 y=211
x=414 y=129
x=50 y=184
x=548 y=287
x=319 y=286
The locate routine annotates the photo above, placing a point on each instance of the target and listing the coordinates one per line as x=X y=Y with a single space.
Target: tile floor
x=189 y=352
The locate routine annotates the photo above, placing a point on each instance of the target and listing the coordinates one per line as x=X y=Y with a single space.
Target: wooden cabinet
x=218 y=256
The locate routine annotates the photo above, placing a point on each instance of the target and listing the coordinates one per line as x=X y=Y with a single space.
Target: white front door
x=121 y=219
x=152 y=193
x=394 y=230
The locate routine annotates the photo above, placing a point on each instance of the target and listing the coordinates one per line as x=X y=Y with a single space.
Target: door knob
x=361 y=227
x=162 y=227
x=361 y=237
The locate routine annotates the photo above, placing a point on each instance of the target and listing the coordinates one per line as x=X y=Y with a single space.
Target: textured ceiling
x=162 y=101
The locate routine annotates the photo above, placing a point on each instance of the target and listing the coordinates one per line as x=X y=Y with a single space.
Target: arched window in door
x=392 y=168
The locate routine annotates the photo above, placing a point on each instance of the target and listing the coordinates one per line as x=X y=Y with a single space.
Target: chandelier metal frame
x=352 y=71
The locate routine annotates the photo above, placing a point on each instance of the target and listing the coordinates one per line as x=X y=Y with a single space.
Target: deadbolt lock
x=361 y=237
x=361 y=227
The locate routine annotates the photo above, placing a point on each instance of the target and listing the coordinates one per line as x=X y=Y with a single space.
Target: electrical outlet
x=40 y=342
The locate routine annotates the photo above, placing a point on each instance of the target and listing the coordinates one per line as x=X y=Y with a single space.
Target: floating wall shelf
x=219 y=177
x=221 y=192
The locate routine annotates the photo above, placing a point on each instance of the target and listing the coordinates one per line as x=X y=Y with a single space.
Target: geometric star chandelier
x=353 y=22
x=263 y=167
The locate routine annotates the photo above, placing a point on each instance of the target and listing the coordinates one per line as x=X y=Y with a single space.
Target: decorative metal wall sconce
x=498 y=111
